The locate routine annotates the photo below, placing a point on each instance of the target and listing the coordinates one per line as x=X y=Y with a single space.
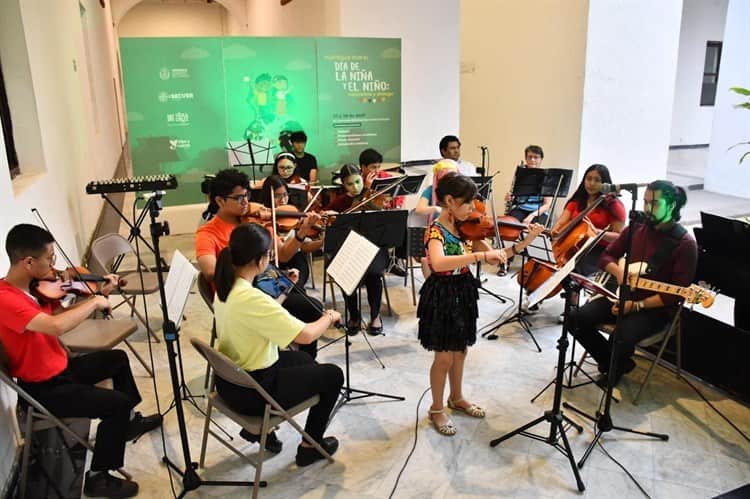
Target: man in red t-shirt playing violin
x=29 y=332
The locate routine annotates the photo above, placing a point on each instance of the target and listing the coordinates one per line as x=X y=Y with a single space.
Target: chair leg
x=204 y=440
x=208 y=364
x=134 y=312
x=651 y=367
x=262 y=449
x=678 y=339
x=140 y=359
x=28 y=442
x=312 y=272
x=413 y=287
x=580 y=363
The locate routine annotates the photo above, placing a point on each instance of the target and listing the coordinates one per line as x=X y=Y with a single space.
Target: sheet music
x=180 y=279
x=556 y=278
x=351 y=262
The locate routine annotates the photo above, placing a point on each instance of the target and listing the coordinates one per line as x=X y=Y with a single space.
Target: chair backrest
x=224 y=367
x=416 y=241
x=206 y=291
x=105 y=249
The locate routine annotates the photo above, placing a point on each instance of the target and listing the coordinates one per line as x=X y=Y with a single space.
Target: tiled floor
x=702 y=458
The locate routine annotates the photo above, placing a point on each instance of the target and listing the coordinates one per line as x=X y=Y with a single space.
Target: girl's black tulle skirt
x=448 y=312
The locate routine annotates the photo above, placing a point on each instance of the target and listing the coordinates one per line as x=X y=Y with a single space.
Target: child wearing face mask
x=355 y=192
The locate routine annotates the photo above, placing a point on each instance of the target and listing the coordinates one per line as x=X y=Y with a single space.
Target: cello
x=564 y=246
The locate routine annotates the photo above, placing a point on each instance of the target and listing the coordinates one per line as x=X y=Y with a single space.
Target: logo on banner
x=178 y=96
x=166 y=73
x=175 y=144
x=178 y=119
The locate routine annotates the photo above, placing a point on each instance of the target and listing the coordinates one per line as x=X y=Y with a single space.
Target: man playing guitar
x=671 y=253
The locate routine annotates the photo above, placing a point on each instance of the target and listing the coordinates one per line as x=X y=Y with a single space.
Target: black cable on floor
x=413 y=447
x=744 y=435
x=601 y=447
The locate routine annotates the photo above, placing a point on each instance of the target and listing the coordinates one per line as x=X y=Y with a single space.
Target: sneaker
x=105 y=485
x=308 y=455
x=140 y=425
x=273 y=444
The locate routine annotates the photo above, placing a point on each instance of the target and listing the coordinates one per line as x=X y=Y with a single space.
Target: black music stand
x=245 y=155
x=540 y=182
x=384 y=229
x=407 y=184
x=484 y=192
x=581 y=282
x=555 y=417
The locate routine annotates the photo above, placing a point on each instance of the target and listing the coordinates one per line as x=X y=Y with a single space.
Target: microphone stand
x=603 y=419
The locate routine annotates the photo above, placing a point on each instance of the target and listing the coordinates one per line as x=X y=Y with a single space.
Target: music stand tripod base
x=555 y=416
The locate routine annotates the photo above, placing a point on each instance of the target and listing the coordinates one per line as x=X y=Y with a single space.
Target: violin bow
x=309 y=205
x=62 y=252
x=274 y=230
x=378 y=193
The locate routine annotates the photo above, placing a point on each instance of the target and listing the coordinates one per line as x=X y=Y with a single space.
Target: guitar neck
x=661 y=287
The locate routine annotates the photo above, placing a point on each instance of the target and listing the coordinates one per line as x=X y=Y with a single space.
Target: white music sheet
x=351 y=262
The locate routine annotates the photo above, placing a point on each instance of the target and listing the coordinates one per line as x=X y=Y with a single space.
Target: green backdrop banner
x=188 y=99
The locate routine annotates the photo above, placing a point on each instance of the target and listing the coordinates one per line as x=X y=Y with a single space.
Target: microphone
x=149 y=195
x=607 y=188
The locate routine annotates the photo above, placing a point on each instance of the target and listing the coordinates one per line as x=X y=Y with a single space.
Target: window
x=710 y=73
x=7 y=126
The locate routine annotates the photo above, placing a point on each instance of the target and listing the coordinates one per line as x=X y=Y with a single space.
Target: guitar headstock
x=700 y=294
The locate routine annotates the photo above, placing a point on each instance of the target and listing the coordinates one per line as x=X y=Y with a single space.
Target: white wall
x=164 y=19
x=631 y=63
x=702 y=21
x=731 y=125
x=74 y=148
x=430 y=51
x=521 y=82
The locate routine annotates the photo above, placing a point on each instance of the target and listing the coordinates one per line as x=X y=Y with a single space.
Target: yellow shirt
x=251 y=326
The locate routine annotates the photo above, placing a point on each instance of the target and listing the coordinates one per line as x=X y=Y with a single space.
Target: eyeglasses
x=287 y=168
x=280 y=196
x=240 y=198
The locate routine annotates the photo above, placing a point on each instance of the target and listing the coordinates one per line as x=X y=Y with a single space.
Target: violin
x=73 y=280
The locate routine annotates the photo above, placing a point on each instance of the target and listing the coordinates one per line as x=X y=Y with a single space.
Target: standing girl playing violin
x=351 y=178
x=447 y=308
x=609 y=213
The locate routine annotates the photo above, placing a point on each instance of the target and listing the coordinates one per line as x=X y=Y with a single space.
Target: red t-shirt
x=32 y=356
x=607 y=212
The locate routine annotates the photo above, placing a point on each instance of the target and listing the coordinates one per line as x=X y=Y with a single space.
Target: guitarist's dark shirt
x=678 y=268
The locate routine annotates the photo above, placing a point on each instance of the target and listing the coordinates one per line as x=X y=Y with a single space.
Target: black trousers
x=373 y=281
x=294 y=378
x=307 y=309
x=72 y=394
x=520 y=214
x=633 y=328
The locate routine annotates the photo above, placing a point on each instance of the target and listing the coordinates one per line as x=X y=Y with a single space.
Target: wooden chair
x=273 y=414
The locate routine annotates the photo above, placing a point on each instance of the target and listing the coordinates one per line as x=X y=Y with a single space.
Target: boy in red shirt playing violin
x=29 y=333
